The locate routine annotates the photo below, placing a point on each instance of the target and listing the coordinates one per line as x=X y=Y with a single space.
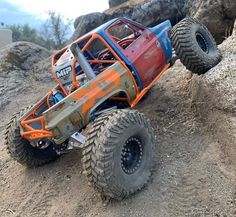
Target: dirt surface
x=190 y=177
x=214 y=97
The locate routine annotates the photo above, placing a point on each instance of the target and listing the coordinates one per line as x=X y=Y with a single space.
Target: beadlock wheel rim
x=202 y=42
x=131 y=155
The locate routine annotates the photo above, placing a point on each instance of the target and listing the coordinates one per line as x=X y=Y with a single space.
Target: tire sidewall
x=131 y=182
x=188 y=48
x=22 y=151
x=38 y=156
x=197 y=28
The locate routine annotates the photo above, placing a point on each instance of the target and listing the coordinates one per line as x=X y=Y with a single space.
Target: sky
x=33 y=12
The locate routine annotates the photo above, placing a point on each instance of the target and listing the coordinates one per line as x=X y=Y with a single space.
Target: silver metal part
x=174 y=56
x=41 y=143
x=82 y=61
x=78 y=138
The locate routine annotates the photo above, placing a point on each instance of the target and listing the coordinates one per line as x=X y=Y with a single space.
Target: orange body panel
x=29 y=132
x=89 y=99
x=146 y=89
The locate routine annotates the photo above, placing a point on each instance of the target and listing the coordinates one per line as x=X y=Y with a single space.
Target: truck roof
x=101 y=29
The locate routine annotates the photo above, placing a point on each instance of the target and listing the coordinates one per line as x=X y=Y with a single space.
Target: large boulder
x=41 y=71
x=218 y=16
x=17 y=62
x=86 y=23
x=214 y=98
x=21 y=55
x=113 y=3
x=149 y=12
x=143 y=11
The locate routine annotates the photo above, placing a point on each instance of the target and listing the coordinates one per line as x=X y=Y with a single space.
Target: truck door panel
x=147 y=56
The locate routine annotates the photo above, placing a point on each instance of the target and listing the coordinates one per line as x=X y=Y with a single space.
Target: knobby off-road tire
x=21 y=150
x=118 y=155
x=195 y=46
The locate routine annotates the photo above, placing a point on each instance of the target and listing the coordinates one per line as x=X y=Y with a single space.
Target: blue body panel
x=101 y=31
x=161 y=32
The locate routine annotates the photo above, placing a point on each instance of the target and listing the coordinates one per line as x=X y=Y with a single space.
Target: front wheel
x=21 y=150
x=118 y=156
x=195 y=46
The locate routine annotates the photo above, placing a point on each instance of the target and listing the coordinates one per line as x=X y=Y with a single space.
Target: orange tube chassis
x=30 y=133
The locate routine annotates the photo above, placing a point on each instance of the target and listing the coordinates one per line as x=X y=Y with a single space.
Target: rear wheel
x=22 y=150
x=118 y=155
x=195 y=46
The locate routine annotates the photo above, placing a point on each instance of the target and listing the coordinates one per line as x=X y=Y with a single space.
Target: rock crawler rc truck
x=99 y=77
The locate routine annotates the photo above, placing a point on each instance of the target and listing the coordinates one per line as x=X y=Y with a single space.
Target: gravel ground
x=190 y=177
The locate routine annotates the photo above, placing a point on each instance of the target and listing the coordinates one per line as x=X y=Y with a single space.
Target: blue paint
x=58 y=96
x=101 y=28
x=52 y=100
x=161 y=32
x=55 y=98
x=101 y=32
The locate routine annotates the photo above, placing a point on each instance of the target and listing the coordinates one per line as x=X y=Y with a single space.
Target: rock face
x=17 y=69
x=146 y=12
x=86 y=23
x=113 y=3
x=149 y=12
x=214 y=97
x=218 y=16
x=41 y=70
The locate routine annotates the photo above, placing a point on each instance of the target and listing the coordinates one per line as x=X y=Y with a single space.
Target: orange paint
x=101 y=87
x=32 y=134
x=146 y=89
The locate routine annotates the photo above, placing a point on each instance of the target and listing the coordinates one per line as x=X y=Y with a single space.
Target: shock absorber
x=57 y=95
x=55 y=98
